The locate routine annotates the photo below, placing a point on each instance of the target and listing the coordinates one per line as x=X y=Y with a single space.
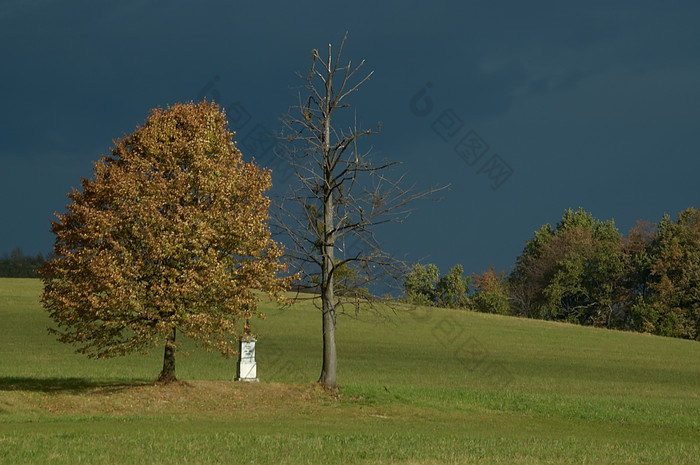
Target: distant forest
x=584 y=271
x=18 y=265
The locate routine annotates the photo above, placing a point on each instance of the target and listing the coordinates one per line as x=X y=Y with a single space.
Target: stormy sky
x=524 y=109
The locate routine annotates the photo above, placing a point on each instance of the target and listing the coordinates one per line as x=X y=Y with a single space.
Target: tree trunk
x=167 y=375
x=329 y=370
x=330 y=358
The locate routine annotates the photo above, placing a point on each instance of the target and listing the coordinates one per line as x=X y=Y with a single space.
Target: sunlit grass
x=425 y=386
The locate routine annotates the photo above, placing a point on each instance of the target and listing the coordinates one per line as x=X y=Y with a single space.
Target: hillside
x=423 y=386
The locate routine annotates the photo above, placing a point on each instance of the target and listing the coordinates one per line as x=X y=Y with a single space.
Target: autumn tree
x=170 y=235
x=571 y=272
x=530 y=274
x=673 y=309
x=639 y=253
x=341 y=196
x=491 y=292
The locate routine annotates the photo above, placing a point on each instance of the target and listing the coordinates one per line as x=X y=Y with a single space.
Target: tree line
x=18 y=265
x=584 y=271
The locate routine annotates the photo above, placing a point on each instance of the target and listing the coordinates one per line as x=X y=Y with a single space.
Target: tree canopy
x=571 y=272
x=673 y=306
x=170 y=234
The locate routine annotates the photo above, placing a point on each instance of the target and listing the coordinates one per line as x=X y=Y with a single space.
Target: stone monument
x=246 y=369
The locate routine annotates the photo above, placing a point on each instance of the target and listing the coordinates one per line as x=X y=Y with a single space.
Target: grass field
x=424 y=386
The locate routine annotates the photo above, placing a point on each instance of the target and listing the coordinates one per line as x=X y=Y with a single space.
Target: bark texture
x=167 y=375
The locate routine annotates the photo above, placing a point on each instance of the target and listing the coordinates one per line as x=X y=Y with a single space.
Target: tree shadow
x=66 y=385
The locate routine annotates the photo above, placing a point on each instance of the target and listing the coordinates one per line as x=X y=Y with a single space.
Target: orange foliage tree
x=171 y=234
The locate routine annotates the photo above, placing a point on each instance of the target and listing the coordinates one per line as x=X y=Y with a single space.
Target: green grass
x=427 y=386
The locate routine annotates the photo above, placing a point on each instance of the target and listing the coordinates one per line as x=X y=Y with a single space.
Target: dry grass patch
x=201 y=398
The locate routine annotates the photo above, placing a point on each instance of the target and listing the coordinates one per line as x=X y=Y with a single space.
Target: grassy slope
x=434 y=386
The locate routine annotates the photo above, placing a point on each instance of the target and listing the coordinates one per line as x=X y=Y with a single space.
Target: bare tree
x=331 y=215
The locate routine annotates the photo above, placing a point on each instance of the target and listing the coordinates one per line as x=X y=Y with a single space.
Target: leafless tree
x=341 y=196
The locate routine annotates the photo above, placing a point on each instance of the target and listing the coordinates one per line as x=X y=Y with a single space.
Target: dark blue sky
x=592 y=104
